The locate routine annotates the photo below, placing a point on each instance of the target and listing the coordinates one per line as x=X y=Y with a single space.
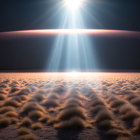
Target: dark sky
x=32 y=54
x=37 y=14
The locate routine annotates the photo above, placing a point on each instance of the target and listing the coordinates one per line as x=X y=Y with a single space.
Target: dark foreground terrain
x=69 y=106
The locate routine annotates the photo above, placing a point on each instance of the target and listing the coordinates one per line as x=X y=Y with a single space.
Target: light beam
x=73 y=5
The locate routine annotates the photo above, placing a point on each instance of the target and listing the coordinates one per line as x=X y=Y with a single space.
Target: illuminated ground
x=69 y=106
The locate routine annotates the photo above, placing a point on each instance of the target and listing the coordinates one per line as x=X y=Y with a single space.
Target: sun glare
x=73 y=4
x=74 y=74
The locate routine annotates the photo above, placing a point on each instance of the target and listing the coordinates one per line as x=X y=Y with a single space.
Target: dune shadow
x=103 y=136
x=68 y=134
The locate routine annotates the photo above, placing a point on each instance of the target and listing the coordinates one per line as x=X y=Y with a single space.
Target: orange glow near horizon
x=71 y=31
x=43 y=32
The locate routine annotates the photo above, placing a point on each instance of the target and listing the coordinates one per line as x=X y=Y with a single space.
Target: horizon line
x=52 y=32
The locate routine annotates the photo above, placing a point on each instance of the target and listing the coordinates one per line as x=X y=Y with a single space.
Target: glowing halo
x=73 y=5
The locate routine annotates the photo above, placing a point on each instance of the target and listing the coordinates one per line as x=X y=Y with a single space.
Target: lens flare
x=73 y=4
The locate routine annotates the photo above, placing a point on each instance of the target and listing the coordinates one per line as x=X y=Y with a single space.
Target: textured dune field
x=69 y=106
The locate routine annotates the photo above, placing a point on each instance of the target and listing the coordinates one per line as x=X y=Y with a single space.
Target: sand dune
x=69 y=106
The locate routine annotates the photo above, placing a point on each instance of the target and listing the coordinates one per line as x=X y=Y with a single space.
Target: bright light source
x=73 y=4
x=74 y=74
